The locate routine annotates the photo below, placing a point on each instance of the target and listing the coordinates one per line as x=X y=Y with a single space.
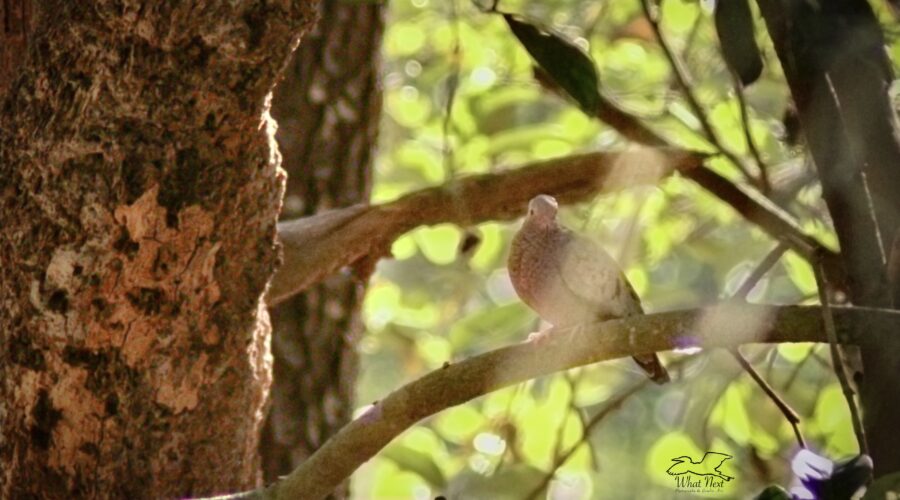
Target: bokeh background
x=460 y=99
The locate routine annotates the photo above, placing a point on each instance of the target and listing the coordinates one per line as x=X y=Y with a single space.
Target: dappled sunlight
x=643 y=166
x=679 y=244
x=731 y=322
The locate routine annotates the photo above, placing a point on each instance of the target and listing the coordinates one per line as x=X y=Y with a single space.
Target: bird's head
x=542 y=210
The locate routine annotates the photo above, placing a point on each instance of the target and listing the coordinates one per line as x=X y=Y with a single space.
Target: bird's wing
x=592 y=275
x=716 y=458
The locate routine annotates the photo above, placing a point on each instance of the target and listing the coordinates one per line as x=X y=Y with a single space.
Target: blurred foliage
x=461 y=98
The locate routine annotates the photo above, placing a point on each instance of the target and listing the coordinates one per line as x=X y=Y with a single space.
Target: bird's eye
x=530 y=211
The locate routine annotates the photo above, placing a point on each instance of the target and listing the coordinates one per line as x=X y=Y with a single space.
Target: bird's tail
x=654 y=368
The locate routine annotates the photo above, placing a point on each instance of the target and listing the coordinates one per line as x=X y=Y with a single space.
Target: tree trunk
x=835 y=62
x=140 y=189
x=327 y=109
x=16 y=25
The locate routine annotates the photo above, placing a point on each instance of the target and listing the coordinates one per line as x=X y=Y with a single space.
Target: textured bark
x=835 y=62
x=327 y=108
x=139 y=183
x=16 y=25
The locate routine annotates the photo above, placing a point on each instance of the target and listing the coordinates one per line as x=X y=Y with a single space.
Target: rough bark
x=327 y=108
x=140 y=187
x=835 y=63
x=16 y=25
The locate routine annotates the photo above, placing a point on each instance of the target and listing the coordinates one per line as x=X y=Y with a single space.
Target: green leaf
x=734 y=25
x=773 y=492
x=800 y=272
x=496 y=324
x=730 y=413
x=832 y=420
x=510 y=482
x=439 y=243
x=884 y=487
x=459 y=424
x=417 y=462
x=561 y=62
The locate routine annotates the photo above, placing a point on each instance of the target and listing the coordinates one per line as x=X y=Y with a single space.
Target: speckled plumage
x=569 y=279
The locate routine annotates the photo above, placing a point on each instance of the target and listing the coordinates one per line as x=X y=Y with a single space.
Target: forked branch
x=317 y=246
x=727 y=325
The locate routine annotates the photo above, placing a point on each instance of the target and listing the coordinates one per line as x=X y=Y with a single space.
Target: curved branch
x=752 y=206
x=687 y=90
x=725 y=325
x=317 y=246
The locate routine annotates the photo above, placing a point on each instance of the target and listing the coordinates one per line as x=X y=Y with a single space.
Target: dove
x=569 y=279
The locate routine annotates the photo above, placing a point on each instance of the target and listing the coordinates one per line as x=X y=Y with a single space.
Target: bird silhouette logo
x=707 y=466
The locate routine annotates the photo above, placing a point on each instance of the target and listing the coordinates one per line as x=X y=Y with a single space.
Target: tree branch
x=746 y=287
x=789 y=414
x=681 y=77
x=725 y=325
x=612 y=404
x=837 y=359
x=752 y=206
x=317 y=246
x=764 y=182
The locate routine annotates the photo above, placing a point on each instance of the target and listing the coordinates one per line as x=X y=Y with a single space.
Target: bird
x=707 y=466
x=568 y=279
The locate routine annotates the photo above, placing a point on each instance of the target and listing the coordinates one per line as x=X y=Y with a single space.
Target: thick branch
x=834 y=60
x=317 y=246
x=726 y=325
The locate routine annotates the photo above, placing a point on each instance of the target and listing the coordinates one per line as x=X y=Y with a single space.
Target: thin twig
x=582 y=419
x=827 y=364
x=749 y=284
x=560 y=431
x=837 y=357
x=596 y=419
x=691 y=38
x=753 y=206
x=792 y=377
x=591 y=24
x=771 y=355
x=681 y=77
x=452 y=85
x=761 y=269
x=720 y=393
x=507 y=417
x=764 y=184
x=821 y=382
x=614 y=404
x=785 y=408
